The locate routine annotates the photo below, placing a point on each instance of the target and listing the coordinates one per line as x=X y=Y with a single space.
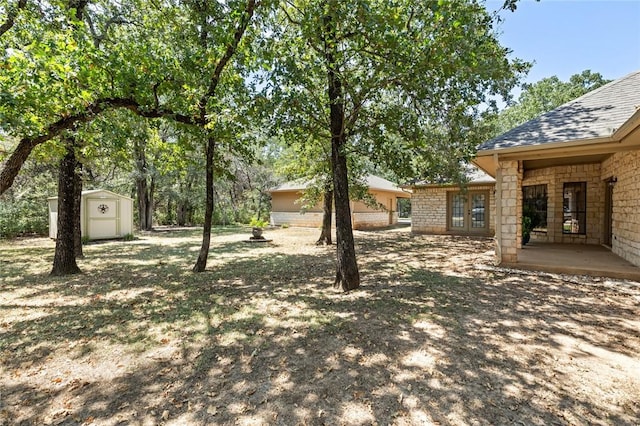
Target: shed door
x=102 y=218
x=468 y=213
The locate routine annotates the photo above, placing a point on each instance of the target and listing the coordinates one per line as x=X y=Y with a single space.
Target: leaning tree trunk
x=201 y=263
x=327 y=207
x=64 y=260
x=347 y=275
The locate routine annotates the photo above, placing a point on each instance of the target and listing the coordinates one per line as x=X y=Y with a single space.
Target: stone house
x=577 y=168
x=448 y=209
x=287 y=210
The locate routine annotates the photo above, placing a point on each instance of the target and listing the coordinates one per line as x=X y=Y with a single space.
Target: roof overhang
x=451 y=185
x=626 y=138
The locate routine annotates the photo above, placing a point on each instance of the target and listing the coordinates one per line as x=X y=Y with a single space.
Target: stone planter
x=256 y=232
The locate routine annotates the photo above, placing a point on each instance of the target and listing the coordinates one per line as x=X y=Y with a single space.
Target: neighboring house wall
x=362 y=220
x=625 y=166
x=309 y=219
x=289 y=202
x=365 y=216
x=429 y=208
x=286 y=211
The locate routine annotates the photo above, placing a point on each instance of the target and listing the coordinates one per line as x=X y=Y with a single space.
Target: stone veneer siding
x=373 y=220
x=508 y=206
x=429 y=208
x=625 y=167
x=314 y=219
x=309 y=219
x=555 y=178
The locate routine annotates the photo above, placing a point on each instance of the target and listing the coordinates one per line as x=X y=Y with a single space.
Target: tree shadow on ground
x=261 y=339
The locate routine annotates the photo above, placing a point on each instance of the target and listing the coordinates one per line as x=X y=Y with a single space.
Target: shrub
x=258 y=223
x=24 y=216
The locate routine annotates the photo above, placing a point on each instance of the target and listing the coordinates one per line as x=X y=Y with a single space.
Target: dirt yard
x=435 y=335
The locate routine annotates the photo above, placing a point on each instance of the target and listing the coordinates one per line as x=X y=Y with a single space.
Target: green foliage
x=258 y=223
x=128 y=237
x=416 y=76
x=23 y=216
x=24 y=209
x=526 y=227
x=532 y=215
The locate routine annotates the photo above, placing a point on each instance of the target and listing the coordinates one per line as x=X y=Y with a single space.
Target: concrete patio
x=575 y=259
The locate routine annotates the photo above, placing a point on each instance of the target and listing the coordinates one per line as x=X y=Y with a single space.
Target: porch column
x=508 y=204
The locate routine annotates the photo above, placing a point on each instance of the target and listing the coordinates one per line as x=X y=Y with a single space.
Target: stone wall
x=373 y=220
x=309 y=219
x=625 y=167
x=314 y=219
x=554 y=178
x=429 y=208
x=508 y=208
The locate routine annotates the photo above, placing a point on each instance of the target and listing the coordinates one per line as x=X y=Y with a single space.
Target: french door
x=468 y=213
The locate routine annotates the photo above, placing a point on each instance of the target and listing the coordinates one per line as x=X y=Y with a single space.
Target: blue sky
x=565 y=37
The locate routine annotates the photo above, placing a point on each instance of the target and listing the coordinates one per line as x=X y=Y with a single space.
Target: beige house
x=448 y=209
x=287 y=210
x=577 y=168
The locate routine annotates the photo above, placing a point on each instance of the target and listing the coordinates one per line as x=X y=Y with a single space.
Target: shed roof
x=595 y=115
x=96 y=191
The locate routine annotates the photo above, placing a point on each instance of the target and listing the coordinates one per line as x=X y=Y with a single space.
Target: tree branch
x=228 y=54
x=12 y=14
x=17 y=158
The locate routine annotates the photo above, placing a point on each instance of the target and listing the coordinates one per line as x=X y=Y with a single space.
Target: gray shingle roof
x=597 y=114
x=475 y=176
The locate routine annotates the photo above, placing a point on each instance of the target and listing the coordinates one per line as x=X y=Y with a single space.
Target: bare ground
x=435 y=335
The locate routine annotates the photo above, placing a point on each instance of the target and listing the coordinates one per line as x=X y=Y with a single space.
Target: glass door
x=468 y=213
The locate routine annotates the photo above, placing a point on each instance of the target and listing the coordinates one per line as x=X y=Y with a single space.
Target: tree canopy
x=400 y=85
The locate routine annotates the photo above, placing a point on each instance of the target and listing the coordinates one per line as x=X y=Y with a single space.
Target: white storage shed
x=103 y=215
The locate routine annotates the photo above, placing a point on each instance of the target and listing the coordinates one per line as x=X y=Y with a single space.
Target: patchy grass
x=262 y=338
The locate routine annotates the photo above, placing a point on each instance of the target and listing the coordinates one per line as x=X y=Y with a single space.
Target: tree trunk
x=77 y=203
x=184 y=206
x=181 y=212
x=144 y=191
x=201 y=263
x=327 y=207
x=150 y=202
x=347 y=274
x=64 y=260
